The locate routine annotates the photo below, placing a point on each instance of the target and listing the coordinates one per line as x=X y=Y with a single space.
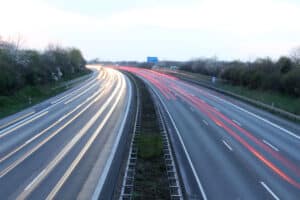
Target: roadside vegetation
x=29 y=76
x=274 y=82
x=151 y=181
x=282 y=76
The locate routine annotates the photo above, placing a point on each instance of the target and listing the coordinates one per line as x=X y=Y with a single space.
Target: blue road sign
x=152 y=59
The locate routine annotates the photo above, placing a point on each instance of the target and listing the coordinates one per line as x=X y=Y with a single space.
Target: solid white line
x=63 y=117
x=74 y=91
x=182 y=144
x=269 y=190
x=205 y=122
x=33 y=117
x=71 y=144
x=34 y=180
x=259 y=117
x=112 y=155
x=48 y=128
x=80 y=94
x=238 y=123
x=68 y=172
x=270 y=145
x=17 y=119
x=227 y=145
x=17 y=162
x=27 y=141
x=5 y=132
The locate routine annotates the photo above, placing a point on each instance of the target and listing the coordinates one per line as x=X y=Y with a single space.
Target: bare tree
x=19 y=42
x=295 y=55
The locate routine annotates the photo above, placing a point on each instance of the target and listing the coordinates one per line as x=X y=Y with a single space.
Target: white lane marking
x=270 y=145
x=27 y=141
x=269 y=190
x=17 y=162
x=5 y=132
x=17 y=119
x=48 y=128
x=238 y=123
x=227 y=145
x=45 y=130
x=80 y=94
x=25 y=121
x=63 y=117
x=259 y=117
x=205 y=122
x=34 y=180
x=87 y=146
x=182 y=144
x=75 y=139
x=74 y=91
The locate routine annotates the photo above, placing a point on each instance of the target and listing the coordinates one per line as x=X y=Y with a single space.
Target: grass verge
x=288 y=103
x=151 y=180
x=284 y=102
x=30 y=95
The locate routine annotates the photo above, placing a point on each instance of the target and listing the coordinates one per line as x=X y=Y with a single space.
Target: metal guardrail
x=110 y=185
x=173 y=178
x=185 y=177
x=128 y=180
x=272 y=109
x=70 y=83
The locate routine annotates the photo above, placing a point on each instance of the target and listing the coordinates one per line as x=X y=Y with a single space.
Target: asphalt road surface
x=62 y=147
x=236 y=151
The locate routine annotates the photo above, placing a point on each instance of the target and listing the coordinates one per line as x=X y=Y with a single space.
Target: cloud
x=38 y=22
x=238 y=16
x=257 y=26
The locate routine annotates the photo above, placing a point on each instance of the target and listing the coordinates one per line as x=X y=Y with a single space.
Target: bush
x=285 y=64
x=281 y=76
x=20 y=68
x=291 y=82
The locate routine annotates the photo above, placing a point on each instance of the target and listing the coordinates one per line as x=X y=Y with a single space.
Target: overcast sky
x=169 y=29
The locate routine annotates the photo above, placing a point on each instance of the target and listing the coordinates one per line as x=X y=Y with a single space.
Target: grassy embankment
x=284 y=102
x=30 y=95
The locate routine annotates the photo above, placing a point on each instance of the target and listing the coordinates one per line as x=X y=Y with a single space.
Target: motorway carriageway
x=63 y=147
x=235 y=151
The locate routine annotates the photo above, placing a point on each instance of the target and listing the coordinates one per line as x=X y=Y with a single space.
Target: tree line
x=282 y=75
x=23 y=67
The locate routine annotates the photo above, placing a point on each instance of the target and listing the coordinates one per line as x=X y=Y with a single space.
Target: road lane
x=16 y=119
x=253 y=169
x=24 y=136
x=59 y=149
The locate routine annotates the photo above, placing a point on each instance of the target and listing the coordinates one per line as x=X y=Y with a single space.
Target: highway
x=234 y=151
x=63 y=147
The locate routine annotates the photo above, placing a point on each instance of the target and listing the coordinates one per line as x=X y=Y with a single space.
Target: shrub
x=20 y=68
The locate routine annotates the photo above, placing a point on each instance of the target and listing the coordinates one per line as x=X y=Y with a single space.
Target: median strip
x=150 y=172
